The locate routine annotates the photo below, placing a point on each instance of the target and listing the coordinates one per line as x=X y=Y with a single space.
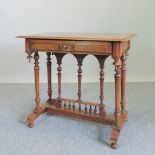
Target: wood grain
x=80 y=45
x=82 y=36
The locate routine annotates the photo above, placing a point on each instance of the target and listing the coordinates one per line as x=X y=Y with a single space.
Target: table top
x=82 y=36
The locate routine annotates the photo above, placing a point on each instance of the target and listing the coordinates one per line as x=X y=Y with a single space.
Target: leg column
x=117 y=126
x=101 y=59
x=79 y=58
x=117 y=90
x=123 y=87
x=59 y=57
x=79 y=79
x=38 y=109
x=36 y=75
x=49 y=63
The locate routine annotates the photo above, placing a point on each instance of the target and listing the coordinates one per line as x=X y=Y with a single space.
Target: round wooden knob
x=64 y=46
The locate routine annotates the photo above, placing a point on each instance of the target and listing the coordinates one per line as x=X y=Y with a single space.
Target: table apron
x=82 y=47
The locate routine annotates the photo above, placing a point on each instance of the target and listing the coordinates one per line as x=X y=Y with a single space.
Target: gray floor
x=53 y=135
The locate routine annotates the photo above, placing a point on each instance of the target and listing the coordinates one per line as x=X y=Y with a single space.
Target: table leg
x=117 y=126
x=36 y=74
x=79 y=58
x=101 y=60
x=123 y=87
x=38 y=109
x=49 y=63
x=59 y=57
x=79 y=78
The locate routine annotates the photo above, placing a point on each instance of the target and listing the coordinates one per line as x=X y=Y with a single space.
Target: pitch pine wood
x=82 y=36
x=80 y=45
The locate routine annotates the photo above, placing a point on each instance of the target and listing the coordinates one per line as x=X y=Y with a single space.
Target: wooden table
x=80 y=45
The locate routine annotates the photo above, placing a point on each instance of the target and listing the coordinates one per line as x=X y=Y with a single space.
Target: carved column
x=117 y=64
x=117 y=53
x=36 y=74
x=120 y=86
x=38 y=109
x=123 y=85
x=59 y=57
x=101 y=59
x=116 y=127
x=79 y=58
x=49 y=63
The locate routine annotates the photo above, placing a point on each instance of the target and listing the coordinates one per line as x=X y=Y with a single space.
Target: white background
x=18 y=17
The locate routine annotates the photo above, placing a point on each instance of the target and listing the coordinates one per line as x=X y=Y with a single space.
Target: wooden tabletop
x=82 y=36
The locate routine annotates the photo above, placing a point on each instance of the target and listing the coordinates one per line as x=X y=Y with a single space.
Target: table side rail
x=93 y=47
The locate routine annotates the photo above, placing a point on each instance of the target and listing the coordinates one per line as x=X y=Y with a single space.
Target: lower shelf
x=78 y=109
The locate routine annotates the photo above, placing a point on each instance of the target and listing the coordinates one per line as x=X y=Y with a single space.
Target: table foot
x=30 y=125
x=34 y=115
x=116 y=129
x=114 y=145
x=114 y=136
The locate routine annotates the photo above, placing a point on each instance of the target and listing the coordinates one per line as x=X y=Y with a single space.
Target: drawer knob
x=65 y=46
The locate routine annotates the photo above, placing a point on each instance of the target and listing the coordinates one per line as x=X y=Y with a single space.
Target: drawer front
x=44 y=45
x=93 y=47
x=71 y=46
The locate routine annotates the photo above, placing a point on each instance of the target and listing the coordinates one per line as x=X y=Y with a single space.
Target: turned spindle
x=79 y=106
x=85 y=108
x=65 y=104
x=69 y=105
x=118 y=64
x=49 y=63
x=117 y=89
x=95 y=110
x=73 y=105
x=59 y=80
x=79 y=58
x=36 y=74
x=101 y=59
x=90 y=109
x=123 y=83
x=59 y=57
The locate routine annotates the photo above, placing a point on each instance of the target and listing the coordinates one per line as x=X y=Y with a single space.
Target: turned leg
x=123 y=87
x=59 y=79
x=117 y=125
x=36 y=74
x=114 y=136
x=59 y=57
x=49 y=63
x=79 y=59
x=101 y=60
x=79 y=79
x=117 y=90
x=38 y=109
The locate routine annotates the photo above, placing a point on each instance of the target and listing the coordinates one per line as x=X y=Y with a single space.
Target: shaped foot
x=30 y=125
x=114 y=136
x=114 y=145
x=33 y=116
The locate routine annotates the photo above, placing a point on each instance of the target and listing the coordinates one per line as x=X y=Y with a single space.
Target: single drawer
x=71 y=46
x=44 y=45
x=93 y=47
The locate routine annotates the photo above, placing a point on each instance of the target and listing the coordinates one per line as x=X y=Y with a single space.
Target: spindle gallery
x=80 y=45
